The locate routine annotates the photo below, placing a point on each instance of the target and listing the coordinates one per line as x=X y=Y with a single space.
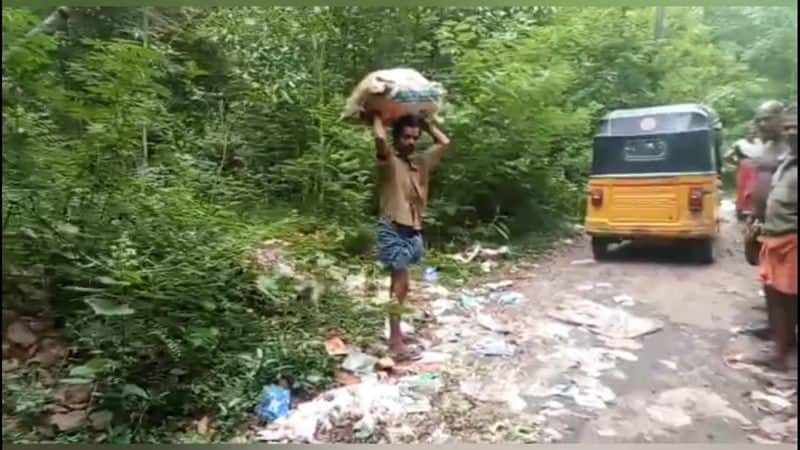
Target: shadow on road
x=652 y=252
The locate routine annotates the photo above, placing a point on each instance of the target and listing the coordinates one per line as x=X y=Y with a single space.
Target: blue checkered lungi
x=399 y=246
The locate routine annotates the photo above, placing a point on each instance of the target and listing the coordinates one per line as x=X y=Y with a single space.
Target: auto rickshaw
x=654 y=176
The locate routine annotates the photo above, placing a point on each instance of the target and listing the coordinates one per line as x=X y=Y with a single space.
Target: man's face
x=752 y=132
x=407 y=140
x=769 y=124
x=790 y=130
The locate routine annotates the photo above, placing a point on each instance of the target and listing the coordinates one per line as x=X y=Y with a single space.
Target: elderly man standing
x=777 y=262
x=769 y=122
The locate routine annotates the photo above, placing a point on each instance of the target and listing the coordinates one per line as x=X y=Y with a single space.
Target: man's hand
x=439 y=138
x=379 y=133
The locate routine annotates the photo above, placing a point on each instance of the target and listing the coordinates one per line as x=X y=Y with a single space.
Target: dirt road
x=597 y=384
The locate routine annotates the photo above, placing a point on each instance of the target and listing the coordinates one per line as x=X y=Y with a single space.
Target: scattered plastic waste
x=669 y=415
x=624 y=300
x=511 y=298
x=494 y=345
x=359 y=363
x=627 y=344
x=488 y=391
x=433 y=358
x=606 y=432
x=491 y=324
x=382 y=402
x=614 y=323
x=442 y=306
x=585 y=287
x=430 y=275
x=583 y=262
x=470 y=301
x=499 y=285
x=275 y=403
x=676 y=407
x=772 y=404
x=603 y=285
x=669 y=364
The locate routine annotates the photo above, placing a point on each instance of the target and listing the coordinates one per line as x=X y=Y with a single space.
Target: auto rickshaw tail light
x=696 y=199
x=597 y=197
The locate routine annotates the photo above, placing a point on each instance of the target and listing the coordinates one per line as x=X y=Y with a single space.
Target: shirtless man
x=403 y=185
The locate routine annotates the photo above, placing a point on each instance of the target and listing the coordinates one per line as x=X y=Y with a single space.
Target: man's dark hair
x=412 y=121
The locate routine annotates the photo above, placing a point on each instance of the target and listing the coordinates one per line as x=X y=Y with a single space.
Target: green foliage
x=138 y=180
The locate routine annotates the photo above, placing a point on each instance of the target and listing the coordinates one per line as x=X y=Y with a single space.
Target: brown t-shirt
x=403 y=186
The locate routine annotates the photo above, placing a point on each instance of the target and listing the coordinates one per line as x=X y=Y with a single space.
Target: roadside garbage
x=669 y=364
x=614 y=323
x=491 y=324
x=275 y=403
x=430 y=275
x=346 y=378
x=499 y=285
x=433 y=358
x=470 y=301
x=380 y=402
x=494 y=345
x=442 y=306
x=583 y=262
x=491 y=391
x=606 y=432
x=359 y=363
x=335 y=346
x=676 y=407
x=624 y=300
x=511 y=298
x=669 y=415
x=772 y=404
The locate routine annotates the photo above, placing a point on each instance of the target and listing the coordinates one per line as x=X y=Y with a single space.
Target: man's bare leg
x=786 y=323
x=398 y=291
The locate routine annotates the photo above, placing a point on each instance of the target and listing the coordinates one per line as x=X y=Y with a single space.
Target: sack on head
x=394 y=93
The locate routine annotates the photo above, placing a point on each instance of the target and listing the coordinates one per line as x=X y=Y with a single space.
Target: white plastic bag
x=394 y=93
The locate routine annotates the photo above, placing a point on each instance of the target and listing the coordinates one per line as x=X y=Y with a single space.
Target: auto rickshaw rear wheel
x=703 y=251
x=600 y=248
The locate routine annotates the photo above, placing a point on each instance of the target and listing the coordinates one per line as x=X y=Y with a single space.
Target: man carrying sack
x=403 y=185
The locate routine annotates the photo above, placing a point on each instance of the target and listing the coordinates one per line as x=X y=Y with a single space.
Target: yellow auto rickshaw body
x=655 y=176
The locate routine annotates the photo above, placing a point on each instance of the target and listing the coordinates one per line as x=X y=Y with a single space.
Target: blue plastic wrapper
x=275 y=403
x=430 y=275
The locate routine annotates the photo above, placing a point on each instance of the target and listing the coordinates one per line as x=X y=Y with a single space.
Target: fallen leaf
x=19 y=333
x=69 y=421
x=346 y=378
x=335 y=346
x=385 y=363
